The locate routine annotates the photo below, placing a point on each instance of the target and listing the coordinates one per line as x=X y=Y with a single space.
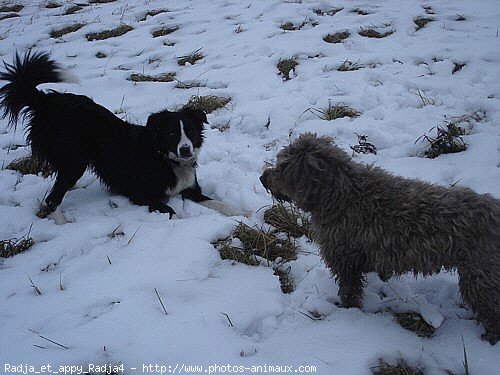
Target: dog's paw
x=162 y=208
x=44 y=211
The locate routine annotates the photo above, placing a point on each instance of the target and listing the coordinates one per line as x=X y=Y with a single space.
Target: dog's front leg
x=194 y=194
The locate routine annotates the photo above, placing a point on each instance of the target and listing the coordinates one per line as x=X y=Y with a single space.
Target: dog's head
x=306 y=171
x=178 y=136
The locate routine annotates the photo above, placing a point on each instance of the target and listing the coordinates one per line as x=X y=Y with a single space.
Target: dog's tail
x=23 y=75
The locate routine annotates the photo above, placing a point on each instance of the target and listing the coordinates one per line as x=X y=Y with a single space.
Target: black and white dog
x=71 y=133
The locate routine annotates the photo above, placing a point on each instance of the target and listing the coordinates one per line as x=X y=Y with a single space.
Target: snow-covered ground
x=108 y=310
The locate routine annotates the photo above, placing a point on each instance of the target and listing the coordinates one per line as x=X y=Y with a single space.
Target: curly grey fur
x=368 y=220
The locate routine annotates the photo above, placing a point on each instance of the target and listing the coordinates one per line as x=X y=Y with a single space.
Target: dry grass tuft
x=30 y=165
x=457 y=67
x=11 y=8
x=228 y=251
x=152 y=13
x=9 y=248
x=259 y=242
x=112 y=33
x=101 y=55
x=165 y=77
x=191 y=58
x=349 y=66
x=164 y=31
x=286 y=66
x=428 y=9
x=208 y=103
x=414 y=322
x=101 y=1
x=422 y=21
x=401 y=368
x=66 y=30
x=9 y=15
x=288 y=219
x=372 y=32
x=338 y=37
x=363 y=146
x=73 y=9
x=329 y=12
x=53 y=5
x=448 y=138
x=360 y=11
x=333 y=112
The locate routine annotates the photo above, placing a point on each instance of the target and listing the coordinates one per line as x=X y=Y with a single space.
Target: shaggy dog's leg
x=350 y=282
x=479 y=286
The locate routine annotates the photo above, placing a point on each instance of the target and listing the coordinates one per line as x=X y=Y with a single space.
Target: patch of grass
x=101 y=55
x=30 y=165
x=401 y=368
x=11 y=8
x=289 y=26
x=422 y=21
x=360 y=11
x=337 y=37
x=191 y=58
x=448 y=138
x=165 y=77
x=363 y=146
x=460 y=17
x=428 y=9
x=101 y=1
x=164 y=31
x=333 y=112
x=112 y=33
x=286 y=66
x=265 y=243
x=208 y=103
x=73 y=9
x=9 y=15
x=152 y=13
x=372 y=32
x=9 y=248
x=325 y=12
x=228 y=251
x=457 y=67
x=349 y=66
x=66 y=30
x=414 y=322
x=288 y=219
x=53 y=5
x=252 y=242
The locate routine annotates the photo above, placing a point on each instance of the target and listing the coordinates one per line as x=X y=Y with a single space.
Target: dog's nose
x=185 y=152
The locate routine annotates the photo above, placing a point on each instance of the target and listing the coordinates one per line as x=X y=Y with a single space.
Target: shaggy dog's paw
x=490 y=337
x=43 y=211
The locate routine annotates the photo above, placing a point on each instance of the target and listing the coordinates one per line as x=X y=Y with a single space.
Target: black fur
x=71 y=133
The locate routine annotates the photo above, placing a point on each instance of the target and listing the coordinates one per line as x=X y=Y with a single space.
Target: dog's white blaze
x=184 y=141
x=186 y=178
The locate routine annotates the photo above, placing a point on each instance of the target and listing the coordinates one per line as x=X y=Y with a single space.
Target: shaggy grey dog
x=368 y=220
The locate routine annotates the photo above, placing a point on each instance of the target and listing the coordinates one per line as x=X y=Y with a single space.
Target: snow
x=108 y=311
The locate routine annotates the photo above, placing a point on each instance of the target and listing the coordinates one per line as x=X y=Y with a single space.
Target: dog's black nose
x=185 y=152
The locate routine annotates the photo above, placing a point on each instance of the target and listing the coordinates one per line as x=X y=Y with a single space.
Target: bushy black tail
x=23 y=75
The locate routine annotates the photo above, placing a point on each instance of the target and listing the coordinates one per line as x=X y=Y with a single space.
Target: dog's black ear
x=196 y=114
x=158 y=118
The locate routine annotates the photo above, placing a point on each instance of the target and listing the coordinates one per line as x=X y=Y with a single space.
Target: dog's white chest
x=186 y=178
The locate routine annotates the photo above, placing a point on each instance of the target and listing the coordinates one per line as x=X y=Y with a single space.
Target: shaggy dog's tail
x=23 y=75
